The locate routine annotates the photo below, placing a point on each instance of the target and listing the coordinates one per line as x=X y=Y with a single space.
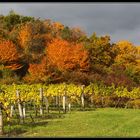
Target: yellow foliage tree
x=126 y=53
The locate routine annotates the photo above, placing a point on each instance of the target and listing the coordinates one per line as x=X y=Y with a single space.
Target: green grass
x=105 y=122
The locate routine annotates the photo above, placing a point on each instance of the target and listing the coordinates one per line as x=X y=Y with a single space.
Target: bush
x=8 y=76
x=7 y=73
x=134 y=104
x=109 y=101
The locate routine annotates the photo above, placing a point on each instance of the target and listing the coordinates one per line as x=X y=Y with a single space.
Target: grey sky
x=119 y=20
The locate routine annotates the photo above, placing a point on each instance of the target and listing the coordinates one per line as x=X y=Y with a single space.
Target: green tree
x=13 y=19
x=66 y=33
x=101 y=52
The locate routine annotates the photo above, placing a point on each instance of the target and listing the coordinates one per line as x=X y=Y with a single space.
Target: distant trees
x=38 y=50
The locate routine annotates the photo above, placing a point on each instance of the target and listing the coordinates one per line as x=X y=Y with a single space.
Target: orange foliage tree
x=24 y=36
x=9 y=56
x=39 y=72
x=67 y=56
x=32 y=39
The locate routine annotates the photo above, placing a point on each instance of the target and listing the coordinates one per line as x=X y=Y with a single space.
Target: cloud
x=119 y=20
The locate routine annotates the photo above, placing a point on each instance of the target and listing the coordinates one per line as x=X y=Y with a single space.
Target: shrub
x=134 y=104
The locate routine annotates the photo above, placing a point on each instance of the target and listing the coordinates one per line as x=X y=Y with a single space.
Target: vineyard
x=48 y=69
x=38 y=99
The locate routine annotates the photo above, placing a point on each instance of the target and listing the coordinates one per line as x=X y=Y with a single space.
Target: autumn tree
x=9 y=25
x=101 y=52
x=9 y=55
x=48 y=36
x=67 y=56
x=32 y=41
x=56 y=28
x=126 y=58
x=126 y=53
x=37 y=72
x=138 y=55
x=42 y=72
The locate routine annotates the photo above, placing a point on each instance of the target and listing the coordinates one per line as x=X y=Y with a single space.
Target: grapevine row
x=38 y=94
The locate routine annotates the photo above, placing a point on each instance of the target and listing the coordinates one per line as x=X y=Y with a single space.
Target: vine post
x=64 y=100
x=82 y=97
x=1 y=123
x=20 y=106
x=47 y=104
x=41 y=101
x=11 y=110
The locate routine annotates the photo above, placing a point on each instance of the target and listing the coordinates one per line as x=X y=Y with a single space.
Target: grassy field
x=105 y=122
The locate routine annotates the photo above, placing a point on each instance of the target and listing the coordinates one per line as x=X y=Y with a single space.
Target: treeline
x=34 y=50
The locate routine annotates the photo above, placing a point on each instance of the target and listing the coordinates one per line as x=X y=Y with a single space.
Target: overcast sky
x=119 y=20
